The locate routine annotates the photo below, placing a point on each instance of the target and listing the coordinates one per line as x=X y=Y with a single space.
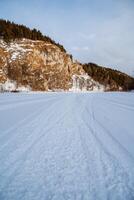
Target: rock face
x=42 y=66
x=39 y=65
x=85 y=83
x=31 y=61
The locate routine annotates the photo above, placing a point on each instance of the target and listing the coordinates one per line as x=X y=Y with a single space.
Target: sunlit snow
x=71 y=146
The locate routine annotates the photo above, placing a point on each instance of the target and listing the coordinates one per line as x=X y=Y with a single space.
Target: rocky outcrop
x=42 y=66
x=86 y=83
x=39 y=65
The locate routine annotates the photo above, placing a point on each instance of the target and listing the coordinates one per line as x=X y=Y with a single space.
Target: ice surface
x=71 y=146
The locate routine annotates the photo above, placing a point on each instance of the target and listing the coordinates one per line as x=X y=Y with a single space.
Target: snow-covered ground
x=67 y=146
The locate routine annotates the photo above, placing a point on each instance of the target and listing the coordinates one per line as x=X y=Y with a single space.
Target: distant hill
x=107 y=76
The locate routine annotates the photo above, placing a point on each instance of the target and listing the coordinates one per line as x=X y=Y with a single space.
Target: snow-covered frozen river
x=67 y=146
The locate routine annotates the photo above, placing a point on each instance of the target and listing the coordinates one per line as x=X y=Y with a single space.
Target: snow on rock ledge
x=10 y=86
x=85 y=83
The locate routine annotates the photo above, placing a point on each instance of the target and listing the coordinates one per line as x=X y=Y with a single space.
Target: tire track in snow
x=26 y=119
x=18 y=104
x=107 y=169
x=112 y=172
x=25 y=154
x=26 y=126
x=62 y=156
x=61 y=194
x=115 y=128
x=119 y=104
x=13 y=98
x=92 y=153
x=123 y=171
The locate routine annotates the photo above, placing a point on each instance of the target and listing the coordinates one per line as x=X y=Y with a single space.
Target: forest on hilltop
x=11 y=31
x=112 y=79
x=108 y=76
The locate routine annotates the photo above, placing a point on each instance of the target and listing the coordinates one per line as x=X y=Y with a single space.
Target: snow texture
x=84 y=83
x=67 y=146
x=17 y=51
x=11 y=85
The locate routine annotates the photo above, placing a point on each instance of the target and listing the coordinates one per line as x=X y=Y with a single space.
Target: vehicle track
x=64 y=150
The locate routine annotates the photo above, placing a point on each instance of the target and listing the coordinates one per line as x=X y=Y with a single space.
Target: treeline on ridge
x=109 y=76
x=11 y=31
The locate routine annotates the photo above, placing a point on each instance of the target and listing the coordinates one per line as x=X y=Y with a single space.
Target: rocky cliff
x=43 y=65
x=37 y=64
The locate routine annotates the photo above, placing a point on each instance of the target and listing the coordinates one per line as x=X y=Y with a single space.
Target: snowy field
x=67 y=146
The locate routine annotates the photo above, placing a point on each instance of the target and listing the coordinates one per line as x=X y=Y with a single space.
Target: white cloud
x=111 y=45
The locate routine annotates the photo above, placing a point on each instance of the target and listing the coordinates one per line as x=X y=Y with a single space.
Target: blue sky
x=100 y=31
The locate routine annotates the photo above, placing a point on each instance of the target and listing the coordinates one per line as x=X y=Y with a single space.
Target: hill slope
x=11 y=31
x=33 y=61
x=111 y=77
